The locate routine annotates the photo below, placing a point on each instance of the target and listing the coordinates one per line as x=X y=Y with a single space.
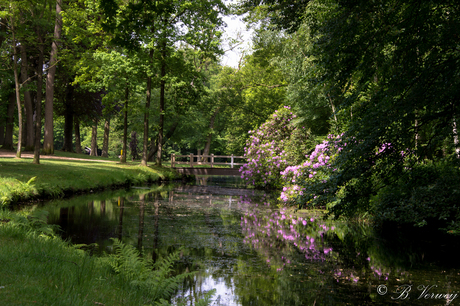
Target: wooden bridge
x=195 y=160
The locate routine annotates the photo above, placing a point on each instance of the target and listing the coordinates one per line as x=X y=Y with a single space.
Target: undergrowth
x=40 y=268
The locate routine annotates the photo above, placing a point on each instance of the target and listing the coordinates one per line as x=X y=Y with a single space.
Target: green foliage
x=250 y=93
x=38 y=266
x=11 y=190
x=274 y=146
x=34 y=222
x=285 y=15
x=387 y=69
x=315 y=103
x=154 y=278
x=425 y=194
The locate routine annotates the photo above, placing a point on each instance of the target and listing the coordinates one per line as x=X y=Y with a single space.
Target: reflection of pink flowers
x=257 y=233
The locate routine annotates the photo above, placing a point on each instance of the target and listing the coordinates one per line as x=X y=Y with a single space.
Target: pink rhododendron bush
x=274 y=146
x=315 y=170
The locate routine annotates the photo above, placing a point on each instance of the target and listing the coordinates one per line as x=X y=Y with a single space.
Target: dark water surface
x=254 y=253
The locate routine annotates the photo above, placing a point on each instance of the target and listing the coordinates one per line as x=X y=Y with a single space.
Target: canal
x=252 y=252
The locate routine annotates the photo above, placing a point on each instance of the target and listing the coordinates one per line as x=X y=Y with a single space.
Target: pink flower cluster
x=265 y=150
x=296 y=176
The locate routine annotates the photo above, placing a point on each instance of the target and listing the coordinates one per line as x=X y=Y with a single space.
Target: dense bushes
x=420 y=193
x=425 y=194
x=275 y=145
x=313 y=172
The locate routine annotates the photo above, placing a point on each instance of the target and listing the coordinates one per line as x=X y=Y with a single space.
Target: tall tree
x=48 y=143
x=38 y=104
x=28 y=103
x=13 y=25
x=160 y=26
x=394 y=64
x=105 y=143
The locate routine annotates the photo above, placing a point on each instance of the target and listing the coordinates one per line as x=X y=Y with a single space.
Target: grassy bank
x=39 y=268
x=21 y=180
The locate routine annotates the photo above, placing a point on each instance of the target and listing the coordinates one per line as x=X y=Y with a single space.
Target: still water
x=253 y=253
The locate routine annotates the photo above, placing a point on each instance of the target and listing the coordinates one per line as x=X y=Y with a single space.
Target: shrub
x=275 y=145
x=425 y=194
x=313 y=172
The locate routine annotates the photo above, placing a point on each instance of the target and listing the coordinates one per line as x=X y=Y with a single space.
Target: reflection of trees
x=93 y=218
x=88 y=222
x=140 y=234
x=264 y=255
x=155 y=226
x=121 y=202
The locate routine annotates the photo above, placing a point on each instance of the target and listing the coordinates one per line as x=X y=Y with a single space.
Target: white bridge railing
x=194 y=159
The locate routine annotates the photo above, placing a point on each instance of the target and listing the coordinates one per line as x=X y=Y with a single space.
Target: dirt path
x=6 y=153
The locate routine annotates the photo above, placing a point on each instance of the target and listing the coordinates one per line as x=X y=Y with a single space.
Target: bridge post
x=231 y=161
x=173 y=159
x=191 y=160
x=212 y=160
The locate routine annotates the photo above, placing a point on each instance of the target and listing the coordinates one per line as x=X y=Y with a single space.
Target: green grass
x=83 y=156
x=56 y=178
x=39 y=268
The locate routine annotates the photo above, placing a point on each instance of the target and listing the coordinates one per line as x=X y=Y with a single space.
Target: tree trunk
x=162 y=104
x=77 y=136
x=68 y=120
x=94 y=139
x=24 y=125
x=125 y=126
x=154 y=143
x=68 y=132
x=2 y=130
x=145 y=149
x=2 y=118
x=105 y=143
x=48 y=144
x=28 y=107
x=8 y=141
x=18 y=97
x=207 y=147
x=417 y=138
x=38 y=103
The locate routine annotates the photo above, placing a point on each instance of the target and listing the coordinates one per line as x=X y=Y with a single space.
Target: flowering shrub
x=315 y=169
x=271 y=148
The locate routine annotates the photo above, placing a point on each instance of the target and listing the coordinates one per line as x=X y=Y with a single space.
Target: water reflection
x=254 y=253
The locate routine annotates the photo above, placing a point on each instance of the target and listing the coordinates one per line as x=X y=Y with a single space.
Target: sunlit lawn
x=56 y=177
